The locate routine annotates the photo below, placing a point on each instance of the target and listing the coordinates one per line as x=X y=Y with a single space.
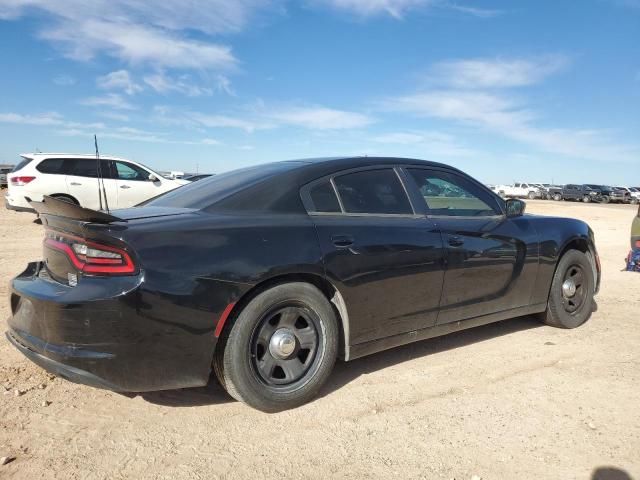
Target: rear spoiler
x=59 y=208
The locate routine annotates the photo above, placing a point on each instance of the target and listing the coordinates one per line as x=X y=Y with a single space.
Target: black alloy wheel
x=284 y=345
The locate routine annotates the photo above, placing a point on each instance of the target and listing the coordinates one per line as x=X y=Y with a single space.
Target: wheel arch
x=65 y=195
x=584 y=245
x=331 y=293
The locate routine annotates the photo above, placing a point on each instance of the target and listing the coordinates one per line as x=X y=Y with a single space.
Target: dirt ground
x=505 y=401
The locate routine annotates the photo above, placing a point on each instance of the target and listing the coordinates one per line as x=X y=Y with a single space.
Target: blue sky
x=532 y=90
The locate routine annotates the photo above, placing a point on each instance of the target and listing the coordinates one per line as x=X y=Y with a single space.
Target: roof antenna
x=101 y=190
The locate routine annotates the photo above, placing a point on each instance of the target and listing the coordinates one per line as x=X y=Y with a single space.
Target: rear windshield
x=22 y=164
x=208 y=191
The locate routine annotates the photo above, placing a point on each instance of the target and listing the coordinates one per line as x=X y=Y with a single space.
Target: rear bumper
x=18 y=203
x=60 y=369
x=107 y=333
x=8 y=206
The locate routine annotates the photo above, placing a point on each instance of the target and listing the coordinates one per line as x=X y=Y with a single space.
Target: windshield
x=206 y=192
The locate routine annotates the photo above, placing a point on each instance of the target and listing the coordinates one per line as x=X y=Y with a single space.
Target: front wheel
x=557 y=197
x=281 y=349
x=605 y=199
x=532 y=195
x=572 y=290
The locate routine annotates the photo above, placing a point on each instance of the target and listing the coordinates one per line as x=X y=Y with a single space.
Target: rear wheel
x=572 y=290
x=557 y=197
x=281 y=349
x=634 y=201
x=605 y=199
x=586 y=199
x=532 y=195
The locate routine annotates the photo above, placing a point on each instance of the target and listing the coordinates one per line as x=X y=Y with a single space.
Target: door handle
x=75 y=183
x=456 y=241
x=342 y=241
x=125 y=186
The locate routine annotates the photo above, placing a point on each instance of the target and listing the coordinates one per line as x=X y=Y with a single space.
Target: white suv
x=74 y=178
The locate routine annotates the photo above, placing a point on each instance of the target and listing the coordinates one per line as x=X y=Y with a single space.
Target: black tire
x=240 y=363
x=557 y=197
x=532 y=195
x=560 y=311
x=586 y=199
x=605 y=199
x=634 y=201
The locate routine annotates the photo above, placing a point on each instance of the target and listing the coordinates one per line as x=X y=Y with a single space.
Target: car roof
x=42 y=156
x=318 y=167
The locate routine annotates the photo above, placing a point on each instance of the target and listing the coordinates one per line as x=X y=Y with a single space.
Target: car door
x=82 y=182
x=492 y=260
x=134 y=185
x=386 y=260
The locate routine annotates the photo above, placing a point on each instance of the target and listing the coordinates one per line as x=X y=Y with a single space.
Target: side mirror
x=153 y=178
x=515 y=207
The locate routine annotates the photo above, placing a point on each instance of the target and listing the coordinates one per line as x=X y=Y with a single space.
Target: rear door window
x=373 y=192
x=324 y=199
x=81 y=167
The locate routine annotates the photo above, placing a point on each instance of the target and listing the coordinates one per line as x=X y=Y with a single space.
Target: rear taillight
x=21 y=181
x=90 y=257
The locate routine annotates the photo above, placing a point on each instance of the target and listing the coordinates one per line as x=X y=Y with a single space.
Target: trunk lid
x=80 y=241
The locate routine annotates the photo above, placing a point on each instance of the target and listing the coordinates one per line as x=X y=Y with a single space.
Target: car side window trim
x=309 y=206
x=499 y=203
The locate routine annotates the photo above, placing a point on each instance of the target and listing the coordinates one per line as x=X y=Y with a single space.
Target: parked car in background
x=554 y=192
x=195 y=178
x=4 y=171
x=519 y=190
x=74 y=178
x=634 y=194
x=610 y=194
x=270 y=273
x=582 y=193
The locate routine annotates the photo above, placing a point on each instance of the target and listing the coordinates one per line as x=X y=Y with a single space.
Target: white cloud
x=368 y=8
x=504 y=116
x=432 y=143
x=496 y=73
x=140 y=32
x=226 y=121
x=48 y=118
x=319 y=118
x=111 y=100
x=475 y=11
x=120 y=117
x=164 y=84
x=119 y=80
x=400 y=8
x=210 y=141
x=137 y=45
x=64 y=80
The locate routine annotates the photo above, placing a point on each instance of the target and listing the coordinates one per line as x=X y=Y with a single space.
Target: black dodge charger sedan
x=270 y=273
